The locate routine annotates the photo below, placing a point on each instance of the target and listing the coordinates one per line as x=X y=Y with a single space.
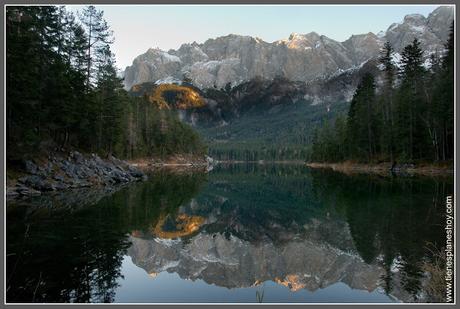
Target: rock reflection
x=237 y=227
x=301 y=229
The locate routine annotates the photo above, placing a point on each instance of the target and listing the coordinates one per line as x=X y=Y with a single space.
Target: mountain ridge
x=301 y=57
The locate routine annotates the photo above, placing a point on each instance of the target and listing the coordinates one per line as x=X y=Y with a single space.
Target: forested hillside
x=257 y=120
x=409 y=118
x=64 y=91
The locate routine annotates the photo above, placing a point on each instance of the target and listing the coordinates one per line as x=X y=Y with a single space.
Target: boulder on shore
x=76 y=170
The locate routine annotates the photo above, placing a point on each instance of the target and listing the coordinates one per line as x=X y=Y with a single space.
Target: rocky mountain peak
x=415 y=19
x=293 y=36
x=302 y=41
x=431 y=31
x=439 y=20
x=301 y=57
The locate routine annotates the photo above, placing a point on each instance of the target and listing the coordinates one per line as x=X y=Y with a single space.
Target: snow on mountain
x=168 y=80
x=300 y=57
x=169 y=58
x=396 y=58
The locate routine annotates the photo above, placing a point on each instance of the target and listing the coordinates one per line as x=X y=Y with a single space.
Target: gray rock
x=12 y=191
x=31 y=167
x=26 y=191
x=80 y=184
x=59 y=178
x=33 y=181
x=300 y=57
x=81 y=171
x=77 y=157
x=48 y=186
x=61 y=186
x=134 y=172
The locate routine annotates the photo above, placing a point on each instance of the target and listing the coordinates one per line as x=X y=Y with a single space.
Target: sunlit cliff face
x=305 y=261
x=182 y=225
x=238 y=234
x=169 y=96
x=292 y=282
x=234 y=263
x=236 y=59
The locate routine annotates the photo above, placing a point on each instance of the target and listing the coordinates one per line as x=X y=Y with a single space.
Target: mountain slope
x=258 y=119
x=301 y=57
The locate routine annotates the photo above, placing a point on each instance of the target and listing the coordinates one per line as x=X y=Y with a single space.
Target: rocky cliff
x=234 y=263
x=301 y=57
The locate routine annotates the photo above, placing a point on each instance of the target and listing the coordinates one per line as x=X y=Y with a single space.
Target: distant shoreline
x=196 y=162
x=385 y=168
x=173 y=162
x=261 y=162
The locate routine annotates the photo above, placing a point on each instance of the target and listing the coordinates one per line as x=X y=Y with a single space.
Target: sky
x=138 y=28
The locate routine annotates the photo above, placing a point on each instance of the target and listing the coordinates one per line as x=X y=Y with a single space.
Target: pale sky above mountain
x=138 y=28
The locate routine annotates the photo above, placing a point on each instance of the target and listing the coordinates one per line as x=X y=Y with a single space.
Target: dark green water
x=242 y=233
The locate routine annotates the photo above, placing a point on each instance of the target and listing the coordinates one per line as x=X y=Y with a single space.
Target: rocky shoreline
x=69 y=171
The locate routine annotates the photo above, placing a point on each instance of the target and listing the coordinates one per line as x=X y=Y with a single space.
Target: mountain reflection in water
x=296 y=232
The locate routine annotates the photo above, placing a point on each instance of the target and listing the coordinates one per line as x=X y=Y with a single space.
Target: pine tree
x=31 y=44
x=63 y=91
x=361 y=131
x=443 y=102
x=110 y=100
x=389 y=70
x=98 y=36
x=412 y=119
x=412 y=74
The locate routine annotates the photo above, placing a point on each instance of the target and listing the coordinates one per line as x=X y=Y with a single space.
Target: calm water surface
x=242 y=233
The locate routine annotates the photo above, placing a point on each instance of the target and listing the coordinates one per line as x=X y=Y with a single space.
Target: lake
x=241 y=233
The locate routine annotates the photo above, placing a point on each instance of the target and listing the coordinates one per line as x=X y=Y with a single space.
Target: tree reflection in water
x=61 y=251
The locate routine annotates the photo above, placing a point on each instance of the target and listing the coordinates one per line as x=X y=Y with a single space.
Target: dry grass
x=436 y=270
x=349 y=167
x=179 y=163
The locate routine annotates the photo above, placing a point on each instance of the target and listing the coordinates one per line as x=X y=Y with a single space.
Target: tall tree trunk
x=88 y=72
x=390 y=107
x=411 y=138
x=369 y=129
x=444 y=142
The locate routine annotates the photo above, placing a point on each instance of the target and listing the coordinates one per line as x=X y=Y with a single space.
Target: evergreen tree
x=387 y=99
x=63 y=91
x=98 y=36
x=110 y=98
x=32 y=41
x=417 y=112
x=412 y=101
x=444 y=102
x=361 y=125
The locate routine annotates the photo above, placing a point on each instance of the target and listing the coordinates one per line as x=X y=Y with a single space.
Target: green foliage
x=98 y=37
x=389 y=218
x=283 y=132
x=63 y=91
x=361 y=124
x=387 y=221
x=410 y=122
x=88 y=241
x=150 y=131
x=442 y=105
x=328 y=143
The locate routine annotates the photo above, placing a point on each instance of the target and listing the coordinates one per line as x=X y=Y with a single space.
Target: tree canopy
x=408 y=118
x=64 y=90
